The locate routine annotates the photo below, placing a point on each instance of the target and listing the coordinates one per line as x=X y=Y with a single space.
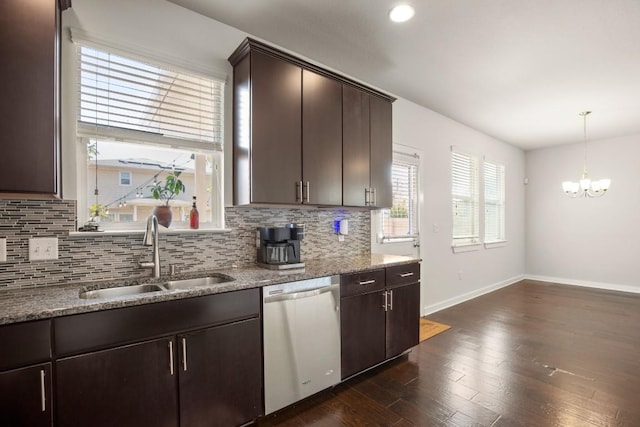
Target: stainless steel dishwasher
x=301 y=340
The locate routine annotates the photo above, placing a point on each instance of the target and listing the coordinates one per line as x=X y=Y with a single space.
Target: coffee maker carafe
x=279 y=247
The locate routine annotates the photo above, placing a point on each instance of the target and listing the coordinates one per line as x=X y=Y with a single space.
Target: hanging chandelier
x=586 y=187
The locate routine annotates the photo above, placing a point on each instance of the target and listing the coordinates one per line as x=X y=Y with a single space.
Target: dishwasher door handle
x=300 y=295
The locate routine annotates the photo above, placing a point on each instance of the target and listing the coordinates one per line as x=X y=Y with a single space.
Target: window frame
x=499 y=202
x=85 y=131
x=411 y=159
x=130 y=178
x=473 y=240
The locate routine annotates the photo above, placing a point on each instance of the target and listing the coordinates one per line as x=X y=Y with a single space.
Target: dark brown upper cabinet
x=321 y=139
x=29 y=105
x=288 y=130
x=366 y=147
x=267 y=121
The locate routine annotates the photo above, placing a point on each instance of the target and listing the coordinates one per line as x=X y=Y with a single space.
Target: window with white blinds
x=494 y=202
x=465 y=198
x=401 y=221
x=128 y=98
x=150 y=121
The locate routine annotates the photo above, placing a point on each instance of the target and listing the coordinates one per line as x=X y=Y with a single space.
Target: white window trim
x=164 y=60
x=492 y=244
x=409 y=156
x=495 y=244
x=468 y=246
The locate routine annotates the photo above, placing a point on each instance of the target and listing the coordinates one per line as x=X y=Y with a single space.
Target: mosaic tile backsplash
x=104 y=257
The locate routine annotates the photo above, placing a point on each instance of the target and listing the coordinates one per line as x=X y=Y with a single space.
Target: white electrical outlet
x=43 y=248
x=3 y=250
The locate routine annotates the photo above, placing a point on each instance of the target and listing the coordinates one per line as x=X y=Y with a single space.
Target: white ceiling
x=518 y=70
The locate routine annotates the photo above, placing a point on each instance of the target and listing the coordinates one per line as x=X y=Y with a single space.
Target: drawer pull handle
x=406 y=275
x=171 y=357
x=367 y=282
x=43 y=397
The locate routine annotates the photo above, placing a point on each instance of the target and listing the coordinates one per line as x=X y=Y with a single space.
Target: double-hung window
x=465 y=198
x=494 y=202
x=401 y=221
x=153 y=120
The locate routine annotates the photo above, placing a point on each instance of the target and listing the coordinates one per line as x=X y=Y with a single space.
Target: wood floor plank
x=530 y=354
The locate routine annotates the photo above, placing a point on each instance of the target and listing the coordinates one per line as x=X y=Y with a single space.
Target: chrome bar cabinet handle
x=406 y=274
x=43 y=391
x=367 y=282
x=171 y=357
x=184 y=354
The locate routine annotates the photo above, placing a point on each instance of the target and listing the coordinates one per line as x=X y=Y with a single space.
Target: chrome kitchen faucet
x=151 y=239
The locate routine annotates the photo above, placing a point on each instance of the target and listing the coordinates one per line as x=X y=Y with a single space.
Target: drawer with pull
x=362 y=282
x=402 y=274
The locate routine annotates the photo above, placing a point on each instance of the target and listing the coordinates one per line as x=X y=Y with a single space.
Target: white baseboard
x=585 y=284
x=428 y=309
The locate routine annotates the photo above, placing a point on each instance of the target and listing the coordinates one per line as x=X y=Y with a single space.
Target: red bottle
x=194 y=216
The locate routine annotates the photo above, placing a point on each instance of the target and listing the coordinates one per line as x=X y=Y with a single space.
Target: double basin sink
x=119 y=291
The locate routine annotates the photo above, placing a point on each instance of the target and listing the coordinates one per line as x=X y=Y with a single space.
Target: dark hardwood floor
x=531 y=354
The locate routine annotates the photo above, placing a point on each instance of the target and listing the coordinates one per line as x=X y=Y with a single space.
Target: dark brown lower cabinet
x=362 y=323
x=25 y=397
x=220 y=375
x=403 y=325
x=379 y=315
x=134 y=385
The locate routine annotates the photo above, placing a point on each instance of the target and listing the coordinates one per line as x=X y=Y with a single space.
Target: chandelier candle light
x=586 y=187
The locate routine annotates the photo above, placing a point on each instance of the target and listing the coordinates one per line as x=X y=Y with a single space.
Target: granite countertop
x=44 y=302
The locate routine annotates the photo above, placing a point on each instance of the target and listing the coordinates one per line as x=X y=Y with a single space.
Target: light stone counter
x=53 y=301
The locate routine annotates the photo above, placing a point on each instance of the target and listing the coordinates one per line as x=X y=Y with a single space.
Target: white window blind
x=401 y=221
x=126 y=98
x=464 y=197
x=494 y=202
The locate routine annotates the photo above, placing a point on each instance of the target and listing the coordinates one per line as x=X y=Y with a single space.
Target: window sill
x=80 y=234
x=466 y=248
x=496 y=244
x=386 y=240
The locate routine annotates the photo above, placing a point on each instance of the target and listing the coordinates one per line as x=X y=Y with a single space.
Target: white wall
x=482 y=270
x=163 y=29
x=585 y=241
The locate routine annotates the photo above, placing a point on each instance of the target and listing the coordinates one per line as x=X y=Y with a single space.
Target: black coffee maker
x=278 y=248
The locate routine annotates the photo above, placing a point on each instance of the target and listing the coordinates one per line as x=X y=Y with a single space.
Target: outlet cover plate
x=3 y=249
x=43 y=248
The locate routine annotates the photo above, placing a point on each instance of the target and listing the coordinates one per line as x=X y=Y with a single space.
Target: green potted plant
x=165 y=191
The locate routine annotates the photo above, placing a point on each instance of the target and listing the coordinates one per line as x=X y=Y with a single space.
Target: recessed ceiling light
x=401 y=13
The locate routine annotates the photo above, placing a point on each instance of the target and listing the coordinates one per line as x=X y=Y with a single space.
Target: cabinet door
x=321 y=139
x=276 y=135
x=134 y=385
x=355 y=146
x=28 y=105
x=381 y=151
x=221 y=375
x=362 y=323
x=25 y=397
x=403 y=319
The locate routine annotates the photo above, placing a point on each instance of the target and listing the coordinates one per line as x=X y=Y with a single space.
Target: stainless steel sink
x=120 y=291
x=200 y=281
